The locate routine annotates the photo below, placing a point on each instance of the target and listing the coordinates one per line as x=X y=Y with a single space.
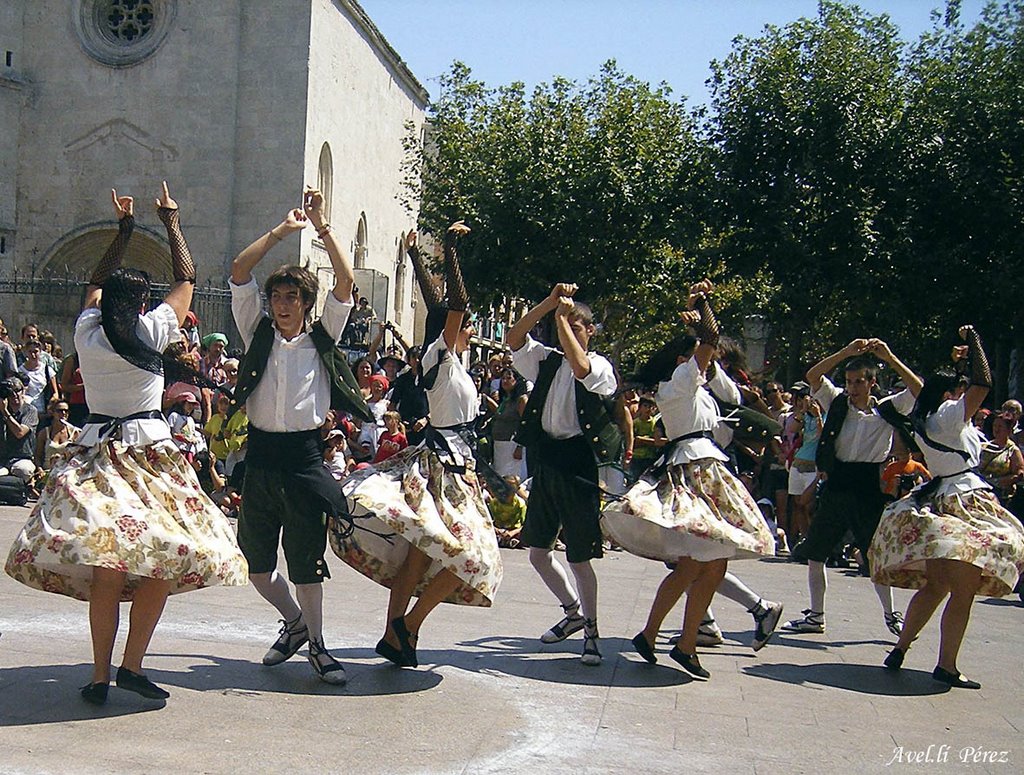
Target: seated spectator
x=214 y=431
x=903 y=473
x=40 y=378
x=211 y=365
x=336 y=456
x=1002 y=464
x=183 y=425
x=18 y=431
x=508 y=514
x=54 y=438
x=646 y=447
x=393 y=440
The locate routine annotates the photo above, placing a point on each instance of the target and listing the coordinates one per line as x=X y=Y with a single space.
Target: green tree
x=591 y=183
x=963 y=177
x=802 y=121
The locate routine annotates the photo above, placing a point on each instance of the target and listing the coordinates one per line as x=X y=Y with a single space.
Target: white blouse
x=948 y=426
x=115 y=387
x=687 y=408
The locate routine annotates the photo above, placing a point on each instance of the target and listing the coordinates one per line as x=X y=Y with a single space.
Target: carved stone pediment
x=118 y=133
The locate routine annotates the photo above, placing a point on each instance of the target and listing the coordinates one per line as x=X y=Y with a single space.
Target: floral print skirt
x=698 y=510
x=967 y=526
x=139 y=510
x=411 y=499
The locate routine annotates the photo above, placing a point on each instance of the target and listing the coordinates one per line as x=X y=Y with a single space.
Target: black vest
x=595 y=415
x=825 y=456
x=345 y=393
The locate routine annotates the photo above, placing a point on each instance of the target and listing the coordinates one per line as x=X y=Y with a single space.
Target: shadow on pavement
x=560 y=662
x=43 y=694
x=864 y=679
x=1005 y=602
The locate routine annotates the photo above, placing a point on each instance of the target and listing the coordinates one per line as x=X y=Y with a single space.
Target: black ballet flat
x=138 y=683
x=894 y=660
x=390 y=653
x=956 y=680
x=643 y=648
x=405 y=641
x=95 y=693
x=690 y=663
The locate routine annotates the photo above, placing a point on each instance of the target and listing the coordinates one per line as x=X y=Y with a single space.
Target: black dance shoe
x=405 y=641
x=956 y=680
x=894 y=661
x=690 y=663
x=138 y=683
x=95 y=693
x=643 y=648
x=390 y=653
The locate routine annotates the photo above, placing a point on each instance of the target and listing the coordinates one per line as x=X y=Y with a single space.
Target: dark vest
x=345 y=393
x=825 y=457
x=595 y=415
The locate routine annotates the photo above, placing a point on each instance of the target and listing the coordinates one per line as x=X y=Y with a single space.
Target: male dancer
x=567 y=429
x=854 y=442
x=291 y=377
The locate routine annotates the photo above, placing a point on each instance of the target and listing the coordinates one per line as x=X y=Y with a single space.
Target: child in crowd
x=508 y=514
x=903 y=473
x=393 y=440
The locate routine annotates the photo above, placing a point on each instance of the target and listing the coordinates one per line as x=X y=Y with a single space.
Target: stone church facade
x=237 y=104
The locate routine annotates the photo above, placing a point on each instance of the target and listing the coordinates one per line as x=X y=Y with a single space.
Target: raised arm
x=344 y=278
x=980 y=373
x=242 y=266
x=183 y=268
x=706 y=326
x=516 y=337
x=825 y=365
x=124 y=206
x=574 y=353
x=398 y=335
x=371 y=352
x=424 y=277
x=910 y=379
x=455 y=288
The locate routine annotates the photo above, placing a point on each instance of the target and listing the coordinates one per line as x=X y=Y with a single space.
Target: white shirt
x=686 y=408
x=115 y=387
x=294 y=393
x=947 y=426
x=560 y=417
x=453 y=400
x=723 y=386
x=865 y=437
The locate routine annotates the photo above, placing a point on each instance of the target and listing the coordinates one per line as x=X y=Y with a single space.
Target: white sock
x=274 y=589
x=311 y=601
x=553 y=575
x=885 y=597
x=817 y=584
x=734 y=589
x=586 y=583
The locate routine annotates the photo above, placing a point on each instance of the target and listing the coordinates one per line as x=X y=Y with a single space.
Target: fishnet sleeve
x=111 y=260
x=429 y=289
x=181 y=259
x=455 y=287
x=981 y=373
x=707 y=327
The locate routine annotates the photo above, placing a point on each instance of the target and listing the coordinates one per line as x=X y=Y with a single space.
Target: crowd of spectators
x=43 y=404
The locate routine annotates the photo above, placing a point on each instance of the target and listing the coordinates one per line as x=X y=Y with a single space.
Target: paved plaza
x=490 y=698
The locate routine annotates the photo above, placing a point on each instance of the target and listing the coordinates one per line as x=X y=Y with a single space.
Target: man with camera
x=18 y=431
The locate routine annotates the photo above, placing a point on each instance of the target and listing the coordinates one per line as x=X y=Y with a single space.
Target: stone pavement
x=492 y=699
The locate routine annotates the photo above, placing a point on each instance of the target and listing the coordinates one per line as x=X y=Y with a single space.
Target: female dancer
x=430 y=532
x=949 y=536
x=697 y=515
x=122 y=517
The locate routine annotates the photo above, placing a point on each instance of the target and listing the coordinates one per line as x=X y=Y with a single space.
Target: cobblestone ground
x=489 y=698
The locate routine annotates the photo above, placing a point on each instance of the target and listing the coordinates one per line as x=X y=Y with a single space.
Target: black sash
x=656 y=469
x=113 y=424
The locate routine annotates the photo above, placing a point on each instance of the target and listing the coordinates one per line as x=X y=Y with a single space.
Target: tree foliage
x=840 y=183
